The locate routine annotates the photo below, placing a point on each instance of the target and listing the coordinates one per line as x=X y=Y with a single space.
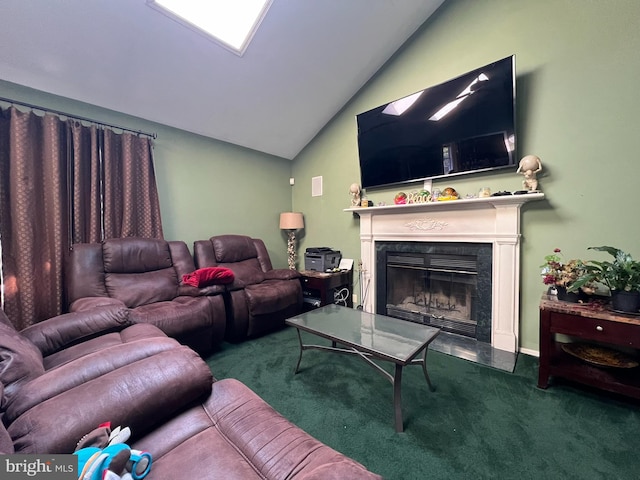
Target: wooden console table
x=584 y=323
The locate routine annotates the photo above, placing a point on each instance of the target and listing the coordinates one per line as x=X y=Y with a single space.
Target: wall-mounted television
x=464 y=125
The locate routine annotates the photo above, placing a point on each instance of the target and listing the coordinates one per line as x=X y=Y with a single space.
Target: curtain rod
x=76 y=117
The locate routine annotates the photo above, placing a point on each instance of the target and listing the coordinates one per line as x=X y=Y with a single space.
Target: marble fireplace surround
x=493 y=220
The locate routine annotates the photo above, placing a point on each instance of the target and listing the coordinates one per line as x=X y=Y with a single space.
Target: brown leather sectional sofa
x=144 y=275
x=260 y=298
x=113 y=359
x=63 y=377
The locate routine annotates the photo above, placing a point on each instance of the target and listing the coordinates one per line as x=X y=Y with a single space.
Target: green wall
x=577 y=68
x=577 y=65
x=206 y=187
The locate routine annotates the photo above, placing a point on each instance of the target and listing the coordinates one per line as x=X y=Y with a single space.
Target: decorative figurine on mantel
x=529 y=167
x=354 y=191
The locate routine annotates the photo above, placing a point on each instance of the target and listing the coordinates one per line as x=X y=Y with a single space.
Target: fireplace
x=447 y=285
x=489 y=223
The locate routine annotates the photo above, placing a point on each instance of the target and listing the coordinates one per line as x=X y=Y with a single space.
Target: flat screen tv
x=464 y=125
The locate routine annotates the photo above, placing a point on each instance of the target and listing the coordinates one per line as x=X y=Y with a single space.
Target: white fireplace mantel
x=494 y=220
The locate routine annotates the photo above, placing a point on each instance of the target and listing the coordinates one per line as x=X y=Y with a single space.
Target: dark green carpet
x=479 y=423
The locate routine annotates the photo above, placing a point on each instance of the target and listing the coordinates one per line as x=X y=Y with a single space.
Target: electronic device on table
x=321 y=259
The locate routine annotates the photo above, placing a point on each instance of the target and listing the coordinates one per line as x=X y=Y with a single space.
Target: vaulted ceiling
x=307 y=59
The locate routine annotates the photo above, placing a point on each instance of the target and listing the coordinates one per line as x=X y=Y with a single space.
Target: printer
x=321 y=259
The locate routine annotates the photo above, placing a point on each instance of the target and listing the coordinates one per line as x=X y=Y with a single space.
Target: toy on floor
x=104 y=455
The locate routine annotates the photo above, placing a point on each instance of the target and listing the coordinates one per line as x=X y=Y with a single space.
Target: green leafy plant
x=620 y=275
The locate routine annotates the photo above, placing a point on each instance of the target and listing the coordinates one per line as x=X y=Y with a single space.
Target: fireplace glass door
x=438 y=290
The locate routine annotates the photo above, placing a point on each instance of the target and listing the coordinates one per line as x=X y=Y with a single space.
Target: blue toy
x=103 y=455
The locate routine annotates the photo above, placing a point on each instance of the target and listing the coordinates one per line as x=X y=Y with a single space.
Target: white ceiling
x=307 y=59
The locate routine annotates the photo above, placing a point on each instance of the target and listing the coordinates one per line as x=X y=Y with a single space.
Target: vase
x=626 y=301
x=573 y=297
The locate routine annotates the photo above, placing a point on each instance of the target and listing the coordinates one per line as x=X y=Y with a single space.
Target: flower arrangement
x=558 y=273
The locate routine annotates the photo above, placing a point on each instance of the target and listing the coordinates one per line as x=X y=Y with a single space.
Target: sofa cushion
x=20 y=360
x=129 y=255
x=139 y=271
x=233 y=248
x=135 y=289
x=247 y=271
x=104 y=341
x=178 y=317
x=272 y=296
x=84 y=272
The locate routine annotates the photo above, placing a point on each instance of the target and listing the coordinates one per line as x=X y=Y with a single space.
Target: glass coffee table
x=371 y=337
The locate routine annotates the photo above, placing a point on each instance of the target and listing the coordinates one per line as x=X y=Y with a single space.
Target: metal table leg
x=301 y=349
x=424 y=369
x=397 y=398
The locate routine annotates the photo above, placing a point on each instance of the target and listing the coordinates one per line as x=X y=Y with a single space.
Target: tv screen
x=462 y=126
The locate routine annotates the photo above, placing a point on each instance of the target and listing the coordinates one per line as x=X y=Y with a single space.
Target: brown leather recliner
x=261 y=297
x=192 y=428
x=141 y=393
x=63 y=352
x=145 y=275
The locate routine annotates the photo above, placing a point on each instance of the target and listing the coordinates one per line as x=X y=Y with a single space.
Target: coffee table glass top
x=397 y=340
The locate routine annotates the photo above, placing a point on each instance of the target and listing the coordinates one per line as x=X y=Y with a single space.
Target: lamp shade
x=291 y=221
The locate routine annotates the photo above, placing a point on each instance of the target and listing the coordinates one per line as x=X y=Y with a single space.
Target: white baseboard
x=528 y=351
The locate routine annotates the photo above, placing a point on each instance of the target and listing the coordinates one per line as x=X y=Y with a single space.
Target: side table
x=320 y=288
x=583 y=323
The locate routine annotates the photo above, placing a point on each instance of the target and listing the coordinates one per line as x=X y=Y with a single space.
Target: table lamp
x=291 y=221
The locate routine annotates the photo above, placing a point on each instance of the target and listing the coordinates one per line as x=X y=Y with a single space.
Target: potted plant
x=562 y=276
x=621 y=276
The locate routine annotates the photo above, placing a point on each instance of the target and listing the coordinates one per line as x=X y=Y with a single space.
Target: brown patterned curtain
x=131 y=205
x=114 y=186
x=62 y=183
x=33 y=227
x=85 y=173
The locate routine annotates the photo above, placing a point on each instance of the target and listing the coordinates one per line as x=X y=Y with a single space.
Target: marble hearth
x=493 y=220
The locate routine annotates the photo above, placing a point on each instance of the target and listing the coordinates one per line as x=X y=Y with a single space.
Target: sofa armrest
x=189 y=291
x=140 y=395
x=59 y=332
x=281 y=274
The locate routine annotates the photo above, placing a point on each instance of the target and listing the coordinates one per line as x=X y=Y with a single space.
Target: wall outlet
x=354 y=297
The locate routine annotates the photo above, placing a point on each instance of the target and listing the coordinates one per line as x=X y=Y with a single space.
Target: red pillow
x=208 y=276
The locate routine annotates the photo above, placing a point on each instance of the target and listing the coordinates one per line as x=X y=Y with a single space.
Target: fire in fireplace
x=447 y=285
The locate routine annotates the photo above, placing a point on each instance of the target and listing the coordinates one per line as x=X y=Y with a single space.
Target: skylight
x=400 y=106
x=466 y=93
x=231 y=23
